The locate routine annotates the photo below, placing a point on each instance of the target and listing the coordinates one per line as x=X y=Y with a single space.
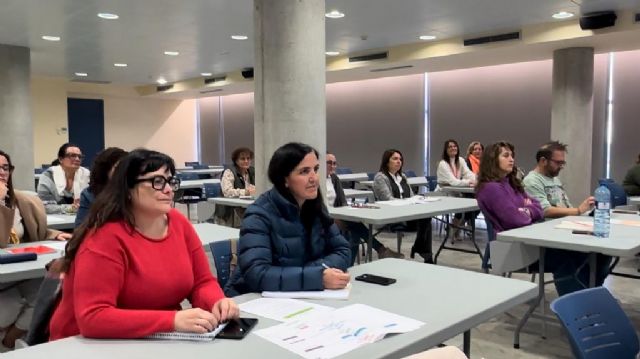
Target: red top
x=125 y=285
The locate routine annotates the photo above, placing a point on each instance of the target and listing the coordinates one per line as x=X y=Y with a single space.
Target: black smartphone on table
x=237 y=328
x=588 y=233
x=375 y=279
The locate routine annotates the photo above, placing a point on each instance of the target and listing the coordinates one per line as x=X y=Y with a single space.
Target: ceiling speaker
x=598 y=20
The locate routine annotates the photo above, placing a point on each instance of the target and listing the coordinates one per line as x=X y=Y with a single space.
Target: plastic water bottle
x=602 y=215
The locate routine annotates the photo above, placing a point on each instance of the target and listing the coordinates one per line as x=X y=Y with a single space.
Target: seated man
x=336 y=198
x=543 y=184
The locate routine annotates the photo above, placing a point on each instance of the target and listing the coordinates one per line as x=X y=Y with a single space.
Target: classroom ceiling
x=200 y=30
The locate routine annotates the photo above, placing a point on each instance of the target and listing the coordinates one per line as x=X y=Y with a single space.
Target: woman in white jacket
x=453 y=171
x=60 y=186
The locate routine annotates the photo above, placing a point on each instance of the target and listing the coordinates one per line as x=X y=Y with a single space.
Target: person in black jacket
x=357 y=231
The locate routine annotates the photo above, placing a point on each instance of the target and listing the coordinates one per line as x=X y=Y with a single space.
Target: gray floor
x=494 y=339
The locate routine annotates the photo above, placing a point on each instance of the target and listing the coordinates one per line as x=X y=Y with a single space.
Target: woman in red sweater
x=135 y=259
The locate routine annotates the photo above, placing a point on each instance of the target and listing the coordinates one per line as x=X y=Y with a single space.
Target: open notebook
x=188 y=336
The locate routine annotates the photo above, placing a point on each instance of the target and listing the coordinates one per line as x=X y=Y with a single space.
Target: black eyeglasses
x=332 y=163
x=7 y=168
x=158 y=182
x=74 y=155
x=559 y=163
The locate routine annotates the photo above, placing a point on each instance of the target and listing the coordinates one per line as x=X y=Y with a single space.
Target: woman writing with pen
x=288 y=242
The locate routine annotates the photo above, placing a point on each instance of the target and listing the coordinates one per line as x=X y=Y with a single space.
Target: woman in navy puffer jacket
x=288 y=242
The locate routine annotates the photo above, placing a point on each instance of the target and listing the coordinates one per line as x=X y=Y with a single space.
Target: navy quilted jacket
x=276 y=254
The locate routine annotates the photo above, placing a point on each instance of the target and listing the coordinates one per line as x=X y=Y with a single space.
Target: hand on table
x=333 y=278
x=194 y=320
x=225 y=309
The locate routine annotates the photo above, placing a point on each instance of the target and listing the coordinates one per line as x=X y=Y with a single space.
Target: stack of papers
x=336 y=332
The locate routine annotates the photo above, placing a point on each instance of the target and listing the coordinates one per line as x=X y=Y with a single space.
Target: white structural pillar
x=16 y=129
x=289 y=77
x=572 y=117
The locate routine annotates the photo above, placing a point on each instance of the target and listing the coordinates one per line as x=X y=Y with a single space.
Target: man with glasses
x=544 y=185
x=60 y=186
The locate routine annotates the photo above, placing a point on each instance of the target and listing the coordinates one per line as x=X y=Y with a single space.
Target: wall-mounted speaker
x=598 y=20
x=247 y=73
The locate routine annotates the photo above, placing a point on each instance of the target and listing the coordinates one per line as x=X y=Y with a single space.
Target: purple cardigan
x=505 y=208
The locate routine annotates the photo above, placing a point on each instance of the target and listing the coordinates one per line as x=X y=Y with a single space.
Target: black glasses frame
x=159 y=182
x=8 y=168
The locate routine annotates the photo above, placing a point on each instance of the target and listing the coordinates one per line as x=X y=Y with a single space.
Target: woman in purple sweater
x=506 y=205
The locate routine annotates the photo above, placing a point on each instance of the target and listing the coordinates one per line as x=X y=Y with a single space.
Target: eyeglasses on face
x=159 y=182
x=559 y=163
x=7 y=168
x=74 y=155
x=332 y=163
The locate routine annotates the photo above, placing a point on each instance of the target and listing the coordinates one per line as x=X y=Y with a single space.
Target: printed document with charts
x=334 y=333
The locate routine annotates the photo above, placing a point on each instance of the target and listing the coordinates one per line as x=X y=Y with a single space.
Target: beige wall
x=130 y=121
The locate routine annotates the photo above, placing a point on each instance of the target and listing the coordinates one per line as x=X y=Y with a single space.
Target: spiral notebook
x=188 y=336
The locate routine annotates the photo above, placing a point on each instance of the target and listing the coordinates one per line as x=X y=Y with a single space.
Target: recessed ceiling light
x=334 y=14
x=239 y=37
x=332 y=53
x=205 y=74
x=51 y=38
x=120 y=65
x=562 y=15
x=108 y=16
x=81 y=74
x=172 y=53
x=427 y=37
x=161 y=81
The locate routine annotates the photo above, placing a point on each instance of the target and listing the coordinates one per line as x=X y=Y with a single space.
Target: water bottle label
x=603 y=205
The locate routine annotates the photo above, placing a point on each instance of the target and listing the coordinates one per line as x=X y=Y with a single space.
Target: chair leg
x=399 y=236
x=188 y=212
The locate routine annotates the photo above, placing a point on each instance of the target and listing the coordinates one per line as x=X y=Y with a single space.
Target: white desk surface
x=357 y=193
x=61 y=221
x=412 y=181
x=30 y=269
x=458 y=189
x=187 y=168
x=386 y=214
x=623 y=241
x=209 y=232
x=634 y=200
x=437 y=295
x=232 y=201
x=197 y=183
x=212 y=171
x=353 y=177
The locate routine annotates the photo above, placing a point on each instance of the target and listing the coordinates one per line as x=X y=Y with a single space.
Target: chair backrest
x=371 y=175
x=618 y=195
x=47 y=298
x=45 y=166
x=433 y=182
x=410 y=173
x=596 y=324
x=191 y=164
x=38 y=170
x=343 y=171
x=223 y=260
x=212 y=190
x=187 y=176
x=200 y=167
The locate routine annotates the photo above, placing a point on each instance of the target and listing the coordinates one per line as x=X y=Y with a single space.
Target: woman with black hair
x=391 y=183
x=288 y=242
x=101 y=171
x=135 y=259
x=60 y=185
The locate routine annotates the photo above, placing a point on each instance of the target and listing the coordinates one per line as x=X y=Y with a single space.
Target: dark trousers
x=564 y=265
x=358 y=232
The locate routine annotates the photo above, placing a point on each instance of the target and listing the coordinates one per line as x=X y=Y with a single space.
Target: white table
x=211 y=171
x=358 y=193
x=458 y=189
x=387 y=214
x=28 y=270
x=232 y=201
x=187 y=168
x=623 y=241
x=187 y=184
x=412 y=181
x=61 y=221
x=209 y=233
x=439 y=296
x=634 y=200
x=353 y=177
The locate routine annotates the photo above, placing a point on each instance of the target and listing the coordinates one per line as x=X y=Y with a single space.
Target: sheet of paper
x=575 y=225
x=58 y=245
x=626 y=222
x=409 y=201
x=340 y=294
x=51 y=219
x=337 y=332
x=283 y=309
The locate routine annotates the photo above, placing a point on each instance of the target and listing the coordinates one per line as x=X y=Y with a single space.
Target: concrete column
x=289 y=77
x=572 y=117
x=16 y=129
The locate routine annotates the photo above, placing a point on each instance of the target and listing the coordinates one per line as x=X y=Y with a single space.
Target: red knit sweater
x=124 y=285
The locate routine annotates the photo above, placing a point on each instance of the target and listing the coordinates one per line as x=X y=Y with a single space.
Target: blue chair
x=188 y=196
x=200 y=167
x=191 y=164
x=222 y=258
x=486 y=256
x=37 y=171
x=343 y=171
x=410 y=173
x=618 y=195
x=212 y=190
x=371 y=175
x=596 y=325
